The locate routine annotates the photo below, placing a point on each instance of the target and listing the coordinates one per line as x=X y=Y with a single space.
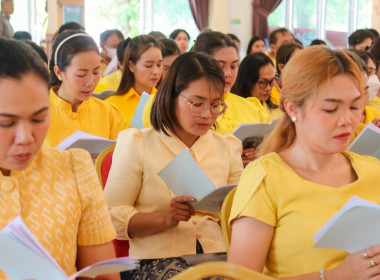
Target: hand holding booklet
x=252 y=134
x=185 y=177
x=89 y=142
x=353 y=228
x=23 y=257
x=367 y=142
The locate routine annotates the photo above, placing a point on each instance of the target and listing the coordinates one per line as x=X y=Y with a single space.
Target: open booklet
x=185 y=177
x=23 y=257
x=353 y=228
x=367 y=142
x=138 y=115
x=252 y=134
x=89 y=142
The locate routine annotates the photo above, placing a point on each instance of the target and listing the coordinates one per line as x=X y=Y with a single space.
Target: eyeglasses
x=264 y=83
x=199 y=107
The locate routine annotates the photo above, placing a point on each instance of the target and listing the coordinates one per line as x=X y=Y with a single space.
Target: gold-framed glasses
x=199 y=107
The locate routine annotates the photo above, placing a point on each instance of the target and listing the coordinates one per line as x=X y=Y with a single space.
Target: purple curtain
x=261 y=11
x=199 y=9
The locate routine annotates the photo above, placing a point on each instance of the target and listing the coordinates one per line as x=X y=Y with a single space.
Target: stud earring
x=293 y=118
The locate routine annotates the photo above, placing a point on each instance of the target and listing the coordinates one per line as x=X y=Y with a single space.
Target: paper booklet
x=184 y=177
x=252 y=134
x=367 y=142
x=137 y=116
x=89 y=142
x=23 y=257
x=353 y=228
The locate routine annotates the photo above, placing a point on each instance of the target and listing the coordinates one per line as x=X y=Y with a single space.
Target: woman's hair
x=175 y=33
x=169 y=47
x=38 y=49
x=22 y=35
x=17 y=59
x=248 y=75
x=135 y=48
x=187 y=68
x=362 y=58
x=302 y=79
x=120 y=49
x=209 y=42
x=284 y=53
x=67 y=50
x=358 y=36
x=252 y=42
x=375 y=50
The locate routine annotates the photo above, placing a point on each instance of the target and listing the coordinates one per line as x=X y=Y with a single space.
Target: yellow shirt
x=103 y=65
x=375 y=103
x=273 y=113
x=133 y=186
x=112 y=81
x=127 y=103
x=239 y=111
x=270 y=191
x=101 y=87
x=271 y=57
x=60 y=200
x=275 y=95
x=370 y=115
x=94 y=116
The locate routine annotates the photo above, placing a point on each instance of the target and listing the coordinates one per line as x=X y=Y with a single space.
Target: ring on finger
x=365 y=254
x=372 y=262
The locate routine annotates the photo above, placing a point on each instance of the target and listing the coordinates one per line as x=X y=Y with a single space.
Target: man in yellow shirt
x=277 y=38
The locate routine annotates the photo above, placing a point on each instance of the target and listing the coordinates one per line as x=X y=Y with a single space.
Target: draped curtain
x=261 y=10
x=199 y=10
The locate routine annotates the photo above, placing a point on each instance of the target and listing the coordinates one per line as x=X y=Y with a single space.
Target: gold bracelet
x=322 y=274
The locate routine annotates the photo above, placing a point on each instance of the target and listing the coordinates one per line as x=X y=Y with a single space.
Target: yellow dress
x=112 y=81
x=60 y=200
x=133 y=186
x=127 y=103
x=239 y=111
x=370 y=115
x=94 y=116
x=270 y=191
x=273 y=113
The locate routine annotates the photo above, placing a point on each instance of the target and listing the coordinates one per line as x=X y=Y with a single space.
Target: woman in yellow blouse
x=305 y=175
x=160 y=226
x=255 y=80
x=74 y=70
x=142 y=70
x=56 y=193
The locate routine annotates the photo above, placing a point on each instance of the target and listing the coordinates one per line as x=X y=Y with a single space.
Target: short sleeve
x=236 y=165
x=95 y=225
x=253 y=197
x=116 y=122
x=146 y=111
x=125 y=179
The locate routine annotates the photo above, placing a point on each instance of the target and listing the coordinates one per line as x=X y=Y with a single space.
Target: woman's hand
x=179 y=210
x=362 y=265
x=249 y=155
x=376 y=121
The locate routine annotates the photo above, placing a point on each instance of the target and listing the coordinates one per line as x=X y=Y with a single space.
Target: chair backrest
x=220 y=269
x=225 y=215
x=103 y=165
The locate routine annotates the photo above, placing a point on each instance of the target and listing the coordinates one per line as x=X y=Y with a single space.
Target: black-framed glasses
x=199 y=107
x=264 y=83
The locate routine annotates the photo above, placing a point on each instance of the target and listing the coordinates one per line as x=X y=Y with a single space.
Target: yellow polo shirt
x=271 y=192
x=239 y=111
x=127 y=103
x=134 y=186
x=94 y=116
x=112 y=81
x=60 y=200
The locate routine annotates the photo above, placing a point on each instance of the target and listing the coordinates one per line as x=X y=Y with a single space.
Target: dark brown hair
x=187 y=68
x=211 y=41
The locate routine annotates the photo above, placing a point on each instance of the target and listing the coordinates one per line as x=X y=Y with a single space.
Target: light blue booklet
x=353 y=228
x=23 y=257
x=185 y=177
x=137 y=116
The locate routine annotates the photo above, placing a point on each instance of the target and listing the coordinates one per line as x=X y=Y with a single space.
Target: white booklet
x=89 y=142
x=367 y=142
x=185 y=177
x=23 y=257
x=137 y=116
x=252 y=134
x=353 y=228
